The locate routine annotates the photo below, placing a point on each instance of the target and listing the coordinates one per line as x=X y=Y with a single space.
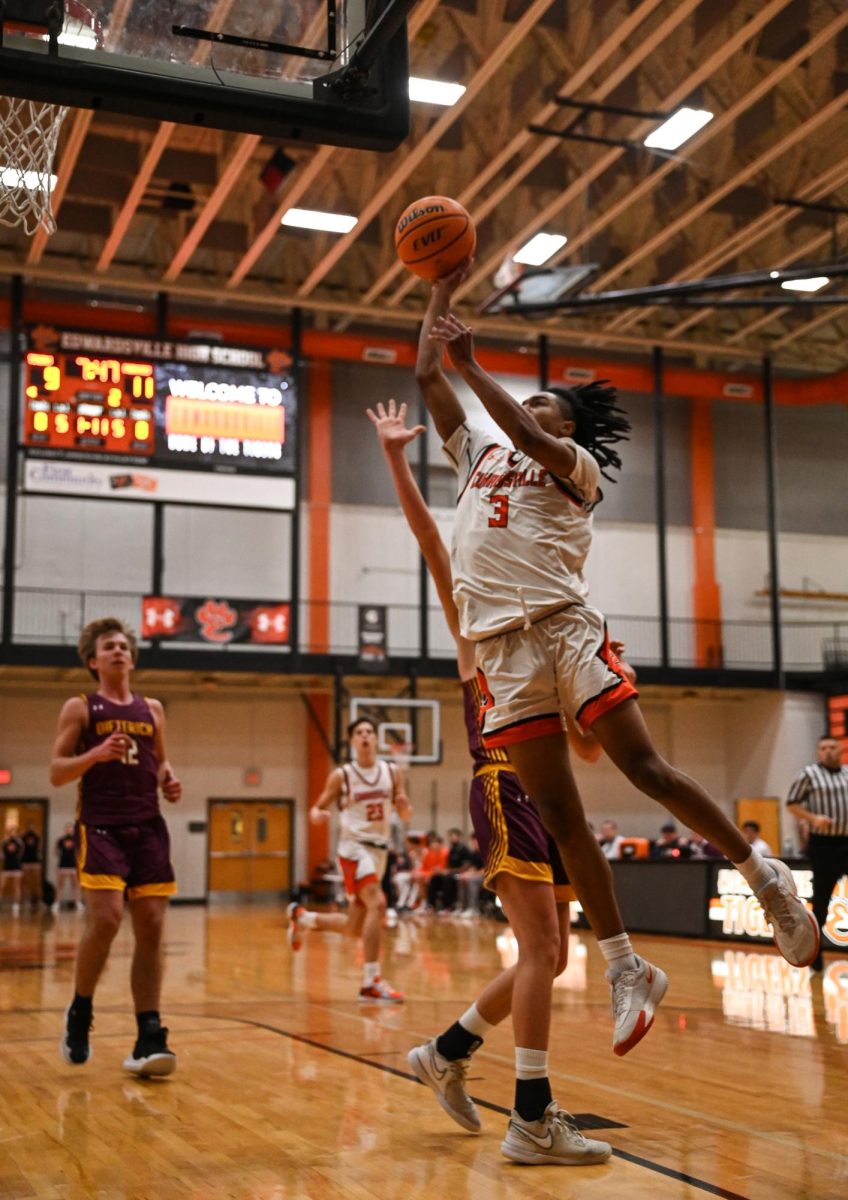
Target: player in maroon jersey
x=113 y=741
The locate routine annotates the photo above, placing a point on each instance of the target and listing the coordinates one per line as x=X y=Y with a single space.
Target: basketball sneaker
x=635 y=996
x=379 y=992
x=553 y=1139
x=293 y=932
x=794 y=928
x=150 y=1055
x=74 y=1046
x=447 y=1079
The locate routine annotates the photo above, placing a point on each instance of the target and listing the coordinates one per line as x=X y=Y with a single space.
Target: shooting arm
x=439 y=396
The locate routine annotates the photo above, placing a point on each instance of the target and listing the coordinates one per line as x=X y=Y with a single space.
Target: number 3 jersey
x=521 y=535
x=365 y=804
x=125 y=790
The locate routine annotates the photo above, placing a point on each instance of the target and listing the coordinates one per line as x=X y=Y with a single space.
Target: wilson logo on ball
x=434 y=235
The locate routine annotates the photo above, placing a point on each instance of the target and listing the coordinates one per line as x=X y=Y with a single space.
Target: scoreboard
x=180 y=404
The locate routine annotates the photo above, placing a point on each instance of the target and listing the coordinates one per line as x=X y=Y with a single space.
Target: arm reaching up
x=394 y=437
x=439 y=396
x=521 y=428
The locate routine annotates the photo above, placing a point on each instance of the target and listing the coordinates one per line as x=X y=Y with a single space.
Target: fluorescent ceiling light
x=539 y=249
x=678 y=128
x=806 y=285
x=31 y=181
x=433 y=91
x=307 y=218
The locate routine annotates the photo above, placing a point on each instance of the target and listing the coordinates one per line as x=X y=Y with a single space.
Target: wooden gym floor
x=288 y=1088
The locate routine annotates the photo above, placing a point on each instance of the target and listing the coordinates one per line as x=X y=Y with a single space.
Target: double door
x=250 y=843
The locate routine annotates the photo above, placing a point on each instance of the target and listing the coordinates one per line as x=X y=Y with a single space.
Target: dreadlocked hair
x=600 y=423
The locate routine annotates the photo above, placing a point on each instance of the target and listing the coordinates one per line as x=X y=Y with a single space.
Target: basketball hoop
x=400 y=753
x=29 y=130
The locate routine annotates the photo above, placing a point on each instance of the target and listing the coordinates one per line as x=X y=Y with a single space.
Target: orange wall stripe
x=630 y=377
x=319 y=765
x=706 y=594
x=319 y=496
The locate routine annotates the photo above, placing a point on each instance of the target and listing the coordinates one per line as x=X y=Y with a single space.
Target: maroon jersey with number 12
x=123 y=791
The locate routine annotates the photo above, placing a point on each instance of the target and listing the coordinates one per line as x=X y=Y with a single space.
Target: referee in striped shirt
x=819 y=796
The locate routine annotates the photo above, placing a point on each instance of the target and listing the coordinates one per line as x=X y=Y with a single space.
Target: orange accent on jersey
x=524 y=731
x=604 y=703
x=354 y=886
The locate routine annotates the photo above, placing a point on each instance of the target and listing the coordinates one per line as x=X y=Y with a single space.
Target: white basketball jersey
x=366 y=802
x=521 y=535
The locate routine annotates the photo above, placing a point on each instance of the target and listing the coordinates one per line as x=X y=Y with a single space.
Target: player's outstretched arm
x=440 y=398
x=394 y=436
x=523 y=431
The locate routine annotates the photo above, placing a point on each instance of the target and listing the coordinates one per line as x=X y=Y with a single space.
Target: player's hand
x=447 y=285
x=171 y=787
x=457 y=338
x=617 y=647
x=391 y=426
x=318 y=816
x=820 y=822
x=403 y=806
x=113 y=749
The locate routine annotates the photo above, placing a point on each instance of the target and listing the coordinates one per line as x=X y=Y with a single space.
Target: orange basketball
x=433 y=235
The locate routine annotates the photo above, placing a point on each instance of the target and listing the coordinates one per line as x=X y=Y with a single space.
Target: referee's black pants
x=829 y=859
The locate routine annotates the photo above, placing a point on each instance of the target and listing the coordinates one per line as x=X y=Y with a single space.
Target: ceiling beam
x=304 y=178
x=578 y=186
x=155 y=151
x=258 y=298
x=580 y=76
x=519 y=31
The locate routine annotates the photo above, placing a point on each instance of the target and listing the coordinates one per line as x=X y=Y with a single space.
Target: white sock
x=530 y=1064
x=474 y=1023
x=307 y=920
x=756 y=871
x=619 y=954
x=370 y=972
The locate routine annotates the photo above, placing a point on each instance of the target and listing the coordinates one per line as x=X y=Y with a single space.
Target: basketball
x=433 y=235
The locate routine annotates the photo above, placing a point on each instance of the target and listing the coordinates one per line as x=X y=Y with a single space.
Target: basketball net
x=29 y=131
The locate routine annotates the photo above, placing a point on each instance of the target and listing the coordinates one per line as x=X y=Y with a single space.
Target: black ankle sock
x=147 y=1021
x=82 y=1004
x=532 y=1097
x=457 y=1042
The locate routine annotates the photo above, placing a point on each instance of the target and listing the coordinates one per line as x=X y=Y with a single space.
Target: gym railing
x=53 y=617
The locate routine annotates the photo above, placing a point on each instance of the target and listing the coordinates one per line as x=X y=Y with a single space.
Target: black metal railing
x=54 y=617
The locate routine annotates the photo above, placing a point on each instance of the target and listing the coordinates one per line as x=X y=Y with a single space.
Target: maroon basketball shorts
x=135 y=857
x=511 y=834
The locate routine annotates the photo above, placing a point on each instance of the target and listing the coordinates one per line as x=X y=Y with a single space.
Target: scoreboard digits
x=75 y=402
x=227 y=415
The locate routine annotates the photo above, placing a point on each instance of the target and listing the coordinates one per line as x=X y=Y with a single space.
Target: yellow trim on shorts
x=533 y=872
x=493 y=769
x=83 y=848
x=152 y=889
x=102 y=883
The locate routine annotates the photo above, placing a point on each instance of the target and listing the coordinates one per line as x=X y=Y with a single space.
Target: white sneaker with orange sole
x=635 y=997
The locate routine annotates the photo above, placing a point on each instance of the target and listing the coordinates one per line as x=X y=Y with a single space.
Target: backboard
x=537 y=285
x=408 y=731
x=333 y=71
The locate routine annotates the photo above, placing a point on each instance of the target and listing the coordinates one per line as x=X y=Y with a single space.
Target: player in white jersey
x=364 y=791
x=523 y=530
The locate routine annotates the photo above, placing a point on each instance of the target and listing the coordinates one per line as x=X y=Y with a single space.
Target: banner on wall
x=118 y=482
x=215 y=621
x=373 y=642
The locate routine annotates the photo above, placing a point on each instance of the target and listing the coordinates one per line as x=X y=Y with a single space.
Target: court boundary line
x=703 y=1185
